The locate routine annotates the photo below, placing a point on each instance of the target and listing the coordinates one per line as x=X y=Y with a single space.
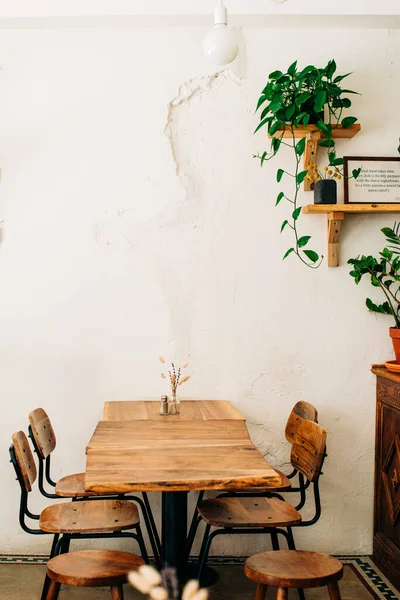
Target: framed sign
x=378 y=182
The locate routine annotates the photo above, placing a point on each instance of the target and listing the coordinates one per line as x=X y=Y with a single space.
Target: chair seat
x=92 y=568
x=248 y=512
x=89 y=517
x=73 y=486
x=293 y=569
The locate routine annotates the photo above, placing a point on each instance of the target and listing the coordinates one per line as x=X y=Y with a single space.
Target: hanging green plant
x=293 y=100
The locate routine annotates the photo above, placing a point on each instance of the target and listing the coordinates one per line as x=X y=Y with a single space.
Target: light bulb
x=221 y=45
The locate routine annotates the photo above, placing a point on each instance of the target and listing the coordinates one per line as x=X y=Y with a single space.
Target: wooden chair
x=91 y=568
x=258 y=515
x=71 y=520
x=302 y=411
x=293 y=569
x=43 y=438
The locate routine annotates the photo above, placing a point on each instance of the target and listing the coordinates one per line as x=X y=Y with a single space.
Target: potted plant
x=293 y=100
x=324 y=184
x=384 y=273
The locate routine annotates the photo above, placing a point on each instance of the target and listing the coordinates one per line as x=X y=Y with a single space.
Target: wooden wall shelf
x=336 y=213
x=314 y=136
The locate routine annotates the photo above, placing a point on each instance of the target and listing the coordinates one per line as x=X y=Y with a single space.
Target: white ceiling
x=369 y=14
x=78 y=8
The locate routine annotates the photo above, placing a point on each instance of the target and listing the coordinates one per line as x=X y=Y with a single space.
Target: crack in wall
x=195 y=88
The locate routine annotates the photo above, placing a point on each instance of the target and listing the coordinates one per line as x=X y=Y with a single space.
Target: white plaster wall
x=136 y=223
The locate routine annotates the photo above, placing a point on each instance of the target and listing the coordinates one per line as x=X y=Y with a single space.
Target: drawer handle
x=395 y=480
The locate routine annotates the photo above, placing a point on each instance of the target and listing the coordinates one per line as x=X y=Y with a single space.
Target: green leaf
x=301 y=177
x=275 y=127
x=292 y=69
x=303 y=241
x=341 y=77
x=303 y=97
x=327 y=143
x=330 y=69
x=325 y=128
x=300 y=146
x=279 y=198
x=261 y=124
x=345 y=102
x=337 y=161
x=348 y=122
x=290 y=111
x=349 y=92
x=386 y=252
x=320 y=101
x=279 y=174
x=275 y=75
x=389 y=233
x=374 y=281
x=307 y=70
x=276 y=105
x=306 y=118
x=283 y=79
x=379 y=308
x=275 y=144
x=296 y=213
x=285 y=222
x=356 y=173
x=261 y=101
x=265 y=112
x=313 y=256
x=263 y=158
x=299 y=117
x=288 y=252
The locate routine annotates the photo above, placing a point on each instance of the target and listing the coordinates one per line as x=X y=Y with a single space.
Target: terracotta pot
x=395 y=335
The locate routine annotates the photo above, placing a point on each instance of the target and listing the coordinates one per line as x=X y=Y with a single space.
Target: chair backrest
x=301 y=411
x=42 y=431
x=25 y=460
x=308 y=449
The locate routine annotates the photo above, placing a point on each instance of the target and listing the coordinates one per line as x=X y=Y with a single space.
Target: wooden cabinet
x=386 y=552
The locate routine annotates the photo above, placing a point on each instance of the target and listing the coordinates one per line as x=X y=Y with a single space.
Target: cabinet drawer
x=387 y=515
x=388 y=392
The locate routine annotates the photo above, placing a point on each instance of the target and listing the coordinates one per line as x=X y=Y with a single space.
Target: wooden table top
x=144 y=410
x=175 y=453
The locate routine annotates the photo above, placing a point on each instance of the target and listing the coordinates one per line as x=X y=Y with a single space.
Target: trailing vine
x=297 y=99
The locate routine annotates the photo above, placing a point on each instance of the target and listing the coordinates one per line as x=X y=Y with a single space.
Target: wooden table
x=206 y=447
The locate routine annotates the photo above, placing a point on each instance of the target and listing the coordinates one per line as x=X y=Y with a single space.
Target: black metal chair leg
x=142 y=545
x=274 y=539
x=290 y=539
x=206 y=548
x=56 y=544
x=194 y=524
x=152 y=522
x=153 y=541
x=202 y=551
x=292 y=546
x=65 y=544
x=45 y=588
x=149 y=529
x=192 y=534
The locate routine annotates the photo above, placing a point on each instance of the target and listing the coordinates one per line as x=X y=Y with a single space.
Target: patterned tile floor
x=21 y=578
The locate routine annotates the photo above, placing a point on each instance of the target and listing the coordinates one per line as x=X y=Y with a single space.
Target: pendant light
x=221 y=45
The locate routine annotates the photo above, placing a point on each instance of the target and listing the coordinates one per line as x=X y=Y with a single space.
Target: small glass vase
x=174 y=403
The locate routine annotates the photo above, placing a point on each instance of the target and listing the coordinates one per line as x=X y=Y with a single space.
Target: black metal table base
x=208 y=578
x=174 y=539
